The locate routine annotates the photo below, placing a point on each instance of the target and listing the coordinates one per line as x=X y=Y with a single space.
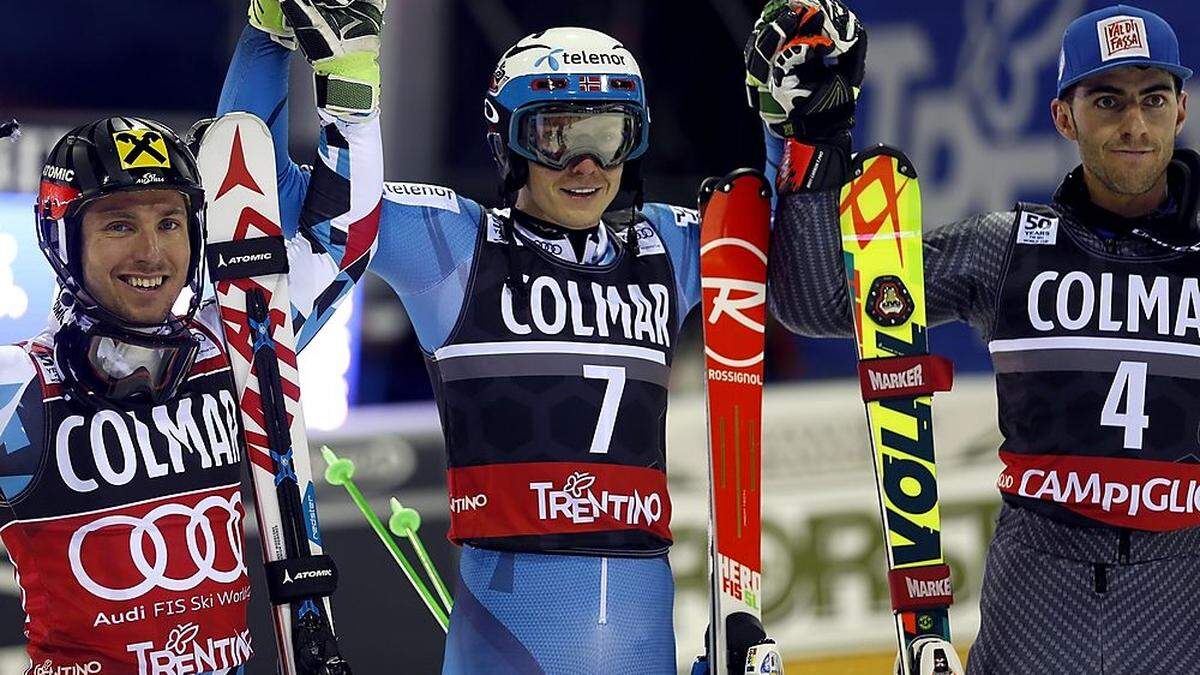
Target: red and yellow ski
x=881 y=243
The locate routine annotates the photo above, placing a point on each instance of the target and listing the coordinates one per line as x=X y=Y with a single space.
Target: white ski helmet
x=570 y=71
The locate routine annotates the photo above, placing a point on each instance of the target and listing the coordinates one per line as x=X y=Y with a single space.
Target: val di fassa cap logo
x=1122 y=37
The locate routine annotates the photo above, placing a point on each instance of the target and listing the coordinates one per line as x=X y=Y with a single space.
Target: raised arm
x=257 y=83
x=804 y=67
x=807 y=286
x=330 y=213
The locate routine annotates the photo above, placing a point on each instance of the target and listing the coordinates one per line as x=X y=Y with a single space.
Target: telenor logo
x=558 y=56
x=549 y=58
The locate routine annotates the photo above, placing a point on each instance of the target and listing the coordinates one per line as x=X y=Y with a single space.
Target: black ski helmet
x=103 y=356
x=98 y=159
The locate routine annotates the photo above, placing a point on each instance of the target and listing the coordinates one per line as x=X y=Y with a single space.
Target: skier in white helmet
x=548 y=325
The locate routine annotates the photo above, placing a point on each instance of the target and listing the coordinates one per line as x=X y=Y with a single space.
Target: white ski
x=247 y=261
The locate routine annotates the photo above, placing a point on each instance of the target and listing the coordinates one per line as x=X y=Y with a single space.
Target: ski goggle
x=557 y=136
x=120 y=365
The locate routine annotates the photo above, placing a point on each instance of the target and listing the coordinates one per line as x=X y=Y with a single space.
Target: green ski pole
x=341 y=472
x=404 y=523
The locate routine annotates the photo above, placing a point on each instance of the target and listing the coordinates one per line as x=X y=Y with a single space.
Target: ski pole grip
x=292 y=579
x=916 y=588
x=904 y=376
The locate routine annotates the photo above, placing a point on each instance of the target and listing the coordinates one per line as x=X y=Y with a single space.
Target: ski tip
x=726 y=184
x=713 y=184
x=903 y=164
x=707 y=187
x=340 y=469
x=404 y=521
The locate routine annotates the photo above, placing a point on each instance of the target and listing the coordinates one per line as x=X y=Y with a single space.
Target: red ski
x=734 y=233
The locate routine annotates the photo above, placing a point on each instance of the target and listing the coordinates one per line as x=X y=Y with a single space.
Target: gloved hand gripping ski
x=805 y=61
x=340 y=38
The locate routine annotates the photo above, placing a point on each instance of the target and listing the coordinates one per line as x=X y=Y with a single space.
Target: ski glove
x=340 y=38
x=267 y=16
x=804 y=64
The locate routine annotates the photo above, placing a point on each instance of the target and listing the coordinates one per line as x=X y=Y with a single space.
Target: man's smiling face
x=573 y=198
x=135 y=252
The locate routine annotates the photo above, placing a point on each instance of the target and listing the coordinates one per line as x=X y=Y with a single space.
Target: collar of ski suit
x=591 y=246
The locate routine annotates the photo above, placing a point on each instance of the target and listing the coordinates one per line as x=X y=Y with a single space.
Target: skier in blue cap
x=1090 y=306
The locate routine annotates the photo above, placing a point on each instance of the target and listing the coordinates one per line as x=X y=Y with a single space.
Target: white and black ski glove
x=340 y=38
x=804 y=65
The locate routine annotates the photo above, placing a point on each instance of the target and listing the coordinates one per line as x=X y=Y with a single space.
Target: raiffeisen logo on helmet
x=558 y=56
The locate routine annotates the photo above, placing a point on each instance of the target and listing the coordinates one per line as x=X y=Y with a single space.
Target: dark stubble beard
x=1124 y=182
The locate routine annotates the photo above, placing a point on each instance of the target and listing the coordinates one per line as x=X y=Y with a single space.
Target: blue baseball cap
x=1117 y=36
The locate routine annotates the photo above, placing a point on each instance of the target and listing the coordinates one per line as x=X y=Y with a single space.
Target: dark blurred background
x=962 y=85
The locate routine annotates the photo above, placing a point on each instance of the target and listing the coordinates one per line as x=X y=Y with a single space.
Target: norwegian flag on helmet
x=591 y=83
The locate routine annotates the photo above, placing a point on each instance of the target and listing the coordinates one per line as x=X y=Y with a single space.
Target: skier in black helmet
x=122 y=443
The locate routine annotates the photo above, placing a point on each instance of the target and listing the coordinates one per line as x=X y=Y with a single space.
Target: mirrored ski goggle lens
x=130 y=368
x=556 y=138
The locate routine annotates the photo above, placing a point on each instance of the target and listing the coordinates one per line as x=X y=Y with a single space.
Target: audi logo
x=201 y=546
